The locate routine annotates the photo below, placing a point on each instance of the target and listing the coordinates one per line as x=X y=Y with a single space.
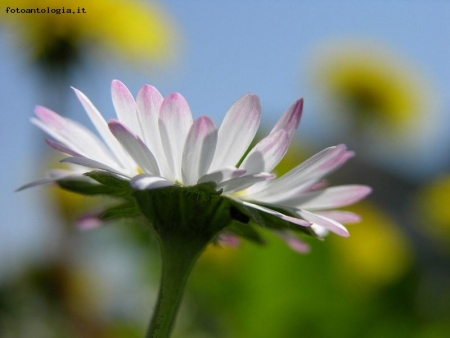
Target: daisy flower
x=154 y=144
x=193 y=183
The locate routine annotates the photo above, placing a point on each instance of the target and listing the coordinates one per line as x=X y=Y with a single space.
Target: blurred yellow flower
x=377 y=86
x=432 y=203
x=377 y=253
x=56 y=30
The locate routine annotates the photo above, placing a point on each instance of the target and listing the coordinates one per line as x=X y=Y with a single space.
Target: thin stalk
x=178 y=258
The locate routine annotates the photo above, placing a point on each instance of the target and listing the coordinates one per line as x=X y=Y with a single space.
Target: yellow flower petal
x=376 y=254
x=377 y=86
x=134 y=29
x=432 y=202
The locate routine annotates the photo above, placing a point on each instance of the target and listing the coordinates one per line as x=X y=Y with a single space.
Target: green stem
x=178 y=258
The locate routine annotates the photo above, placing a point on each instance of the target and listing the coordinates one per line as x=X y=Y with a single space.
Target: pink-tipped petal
x=237 y=131
x=267 y=153
x=223 y=175
x=61 y=147
x=243 y=182
x=198 y=150
x=55 y=175
x=294 y=242
x=312 y=170
x=291 y=219
x=280 y=197
x=265 y=156
x=89 y=222
x=148 y=102
x=102 y=127
x=331 y=198
x=318 y=165
x=325 y=222
x=290 y=119
x=175 y=121
x=298 y=245
x=87 y=162
x=38 y=182
x=125 y=106
x=344 y=217
x=135 y=147
x=147 y=181
x=73 y=135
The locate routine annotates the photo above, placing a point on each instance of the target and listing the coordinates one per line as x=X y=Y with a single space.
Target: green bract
x=197 y=212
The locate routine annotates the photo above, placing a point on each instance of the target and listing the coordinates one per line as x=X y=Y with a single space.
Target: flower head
x=377 y=86
x=154 y=145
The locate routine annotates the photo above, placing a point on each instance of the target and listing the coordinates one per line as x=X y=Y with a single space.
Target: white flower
x=155 y=143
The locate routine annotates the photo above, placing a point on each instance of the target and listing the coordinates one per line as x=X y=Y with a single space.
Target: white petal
x=67 y=172
x=87 y=162
x=72 y=135
x=267 y=153
x=222 y=175
x=40 y=181
x=198 y=150
x=265 y=156
x=264 y=195
x=61 y=147
x=125 y=106
x=319 y=230
x=340 y=216
x=135 y=148
x=175 y=120
x=330 y=198
x=147 y=181
x=148 y=104
x=291 y=219
x=55 y=176
x=237 y=131
x=243 y=182
x=290 y=119
x=312 y=169
x=325 y=222
x=100 y=124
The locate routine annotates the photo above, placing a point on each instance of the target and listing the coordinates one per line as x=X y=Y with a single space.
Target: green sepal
x=252 y=214
x=129 y=209
x=106 y=184
x=100 y=183
x=185 y=212
x=86 y=188
x=121 y=186
x=246 y=231
x=269 y=221
x=276 y=223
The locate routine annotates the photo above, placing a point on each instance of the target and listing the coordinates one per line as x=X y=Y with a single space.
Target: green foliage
x=129 y=209
x=102 y=183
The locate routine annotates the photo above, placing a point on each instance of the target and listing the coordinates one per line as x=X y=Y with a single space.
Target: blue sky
x=228 y=48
